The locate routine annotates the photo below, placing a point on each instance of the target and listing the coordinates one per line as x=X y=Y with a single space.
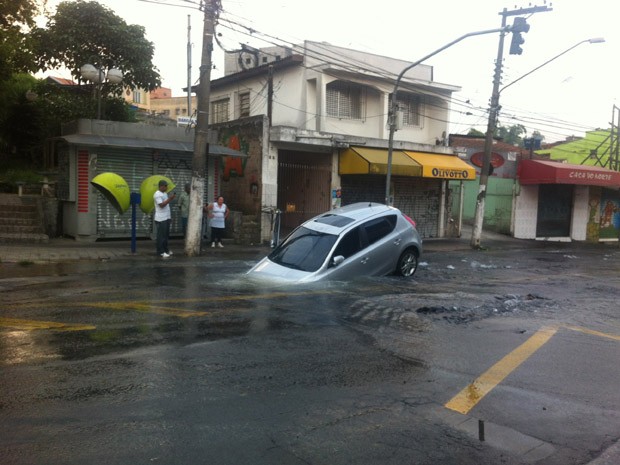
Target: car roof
x=337 y=220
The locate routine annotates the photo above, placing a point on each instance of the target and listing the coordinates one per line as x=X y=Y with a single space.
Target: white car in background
x=362 y=239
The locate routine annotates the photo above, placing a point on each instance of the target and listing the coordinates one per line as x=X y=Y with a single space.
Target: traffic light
x=520 y=25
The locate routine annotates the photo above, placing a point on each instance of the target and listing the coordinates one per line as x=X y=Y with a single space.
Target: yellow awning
x=443 y=166
x=364 y=160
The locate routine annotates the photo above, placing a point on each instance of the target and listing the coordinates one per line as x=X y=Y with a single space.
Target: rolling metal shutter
x=419 y=198
x=134 y=166
x=178 y=167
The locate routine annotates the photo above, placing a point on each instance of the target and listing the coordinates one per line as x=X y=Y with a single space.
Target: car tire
x=407 y=263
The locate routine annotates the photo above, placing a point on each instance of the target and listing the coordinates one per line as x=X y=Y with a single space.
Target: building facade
x=134 y=152
x=323 y=141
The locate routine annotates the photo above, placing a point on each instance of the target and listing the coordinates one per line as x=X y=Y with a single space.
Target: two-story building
x=313 y=120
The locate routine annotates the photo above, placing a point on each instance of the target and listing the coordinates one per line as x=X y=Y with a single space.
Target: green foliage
x=475 y=132
x=511 y=134
x=79 y=32
x=11 y=175
x=27 y=123
x=19 y=12
x=87 y=32
x=15 y=175
x=16 y=44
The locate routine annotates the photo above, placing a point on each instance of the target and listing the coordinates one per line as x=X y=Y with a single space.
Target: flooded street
x=183 y=361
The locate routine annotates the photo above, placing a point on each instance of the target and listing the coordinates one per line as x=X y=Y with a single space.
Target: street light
x=491 y=126
x=595 y=40
x=394 y=103
x=98 y=77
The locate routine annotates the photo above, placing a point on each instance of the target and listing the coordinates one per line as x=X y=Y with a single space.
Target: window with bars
x=244 y=104
x=411 y=107
x=345 y=100
x=219 y=111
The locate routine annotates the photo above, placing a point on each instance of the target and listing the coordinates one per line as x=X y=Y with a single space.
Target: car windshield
x=304 y=250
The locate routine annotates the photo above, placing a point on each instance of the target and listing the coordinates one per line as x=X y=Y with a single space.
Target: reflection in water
x=23 y=347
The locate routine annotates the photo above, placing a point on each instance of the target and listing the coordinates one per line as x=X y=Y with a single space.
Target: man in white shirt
x=162 y=218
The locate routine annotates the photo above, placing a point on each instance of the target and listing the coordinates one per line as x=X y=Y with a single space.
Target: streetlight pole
x=488 y=142
x=394 y=103
x=98 y=77
x=595 y=40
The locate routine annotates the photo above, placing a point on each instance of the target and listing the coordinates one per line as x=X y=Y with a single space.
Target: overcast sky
x=573 y=93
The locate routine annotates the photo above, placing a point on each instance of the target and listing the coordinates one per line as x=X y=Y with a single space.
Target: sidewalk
x=67 y=249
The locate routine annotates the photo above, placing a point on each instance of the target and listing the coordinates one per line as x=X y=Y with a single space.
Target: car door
x=364 y=249
x=350 y=247
x=381 y=249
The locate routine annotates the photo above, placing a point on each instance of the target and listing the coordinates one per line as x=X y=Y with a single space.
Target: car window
x=334 y=220
x=304 y=250
x=350 y=244
x=379 y=228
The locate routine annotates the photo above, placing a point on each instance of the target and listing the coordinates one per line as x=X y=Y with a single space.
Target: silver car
x=362 y=239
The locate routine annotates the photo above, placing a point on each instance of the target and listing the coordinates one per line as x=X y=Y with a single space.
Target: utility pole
x=615 y=142
x=492 y=123
x=270 y=94
x=201 y=137
x=189 y=67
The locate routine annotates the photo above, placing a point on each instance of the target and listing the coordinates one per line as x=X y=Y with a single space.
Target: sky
x=571 y=93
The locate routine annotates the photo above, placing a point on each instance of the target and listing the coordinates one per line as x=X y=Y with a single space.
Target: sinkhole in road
x=465 y=313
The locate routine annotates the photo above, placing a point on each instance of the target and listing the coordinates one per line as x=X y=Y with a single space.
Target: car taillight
x=410 y=220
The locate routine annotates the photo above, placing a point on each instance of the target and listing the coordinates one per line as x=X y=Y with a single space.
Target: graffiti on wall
x=610 y=215
x=234 y=166
x=165 y=161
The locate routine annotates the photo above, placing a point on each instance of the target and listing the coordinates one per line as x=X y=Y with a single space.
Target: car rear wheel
x=407 y=263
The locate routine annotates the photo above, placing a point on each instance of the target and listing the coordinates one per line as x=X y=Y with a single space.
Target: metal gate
x=419 y=198
x=304 y=187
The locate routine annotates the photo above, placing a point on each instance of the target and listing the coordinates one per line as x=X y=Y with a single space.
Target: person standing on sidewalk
x=162 y=218
x=218 y=212
x=184 y=207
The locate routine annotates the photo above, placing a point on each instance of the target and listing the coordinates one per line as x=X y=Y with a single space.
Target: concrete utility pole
x=201 y=138
x=491 y=125
x=189 y=67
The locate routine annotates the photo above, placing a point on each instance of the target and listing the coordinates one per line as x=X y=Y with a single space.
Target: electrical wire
x=330 y=55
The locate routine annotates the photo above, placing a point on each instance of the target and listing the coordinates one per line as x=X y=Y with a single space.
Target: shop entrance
x=555 y=206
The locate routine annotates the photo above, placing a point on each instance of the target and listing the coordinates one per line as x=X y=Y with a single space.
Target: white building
x=314 y=121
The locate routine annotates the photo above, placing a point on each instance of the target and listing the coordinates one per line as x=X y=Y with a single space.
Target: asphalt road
x=501 y=356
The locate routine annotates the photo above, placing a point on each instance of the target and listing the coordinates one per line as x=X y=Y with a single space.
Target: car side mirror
x=337 y=260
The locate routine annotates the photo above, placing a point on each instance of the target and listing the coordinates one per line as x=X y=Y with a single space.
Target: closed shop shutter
x=419 y=198
x=134 y=166
x=555 y=207
x=178 y=167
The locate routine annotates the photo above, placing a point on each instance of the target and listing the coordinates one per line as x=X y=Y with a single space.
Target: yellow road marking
x=148 y=308
x=30 y=325
x=593 y=333
x=467 y=399
x=157 y=307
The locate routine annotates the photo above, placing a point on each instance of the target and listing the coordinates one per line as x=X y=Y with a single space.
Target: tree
x=511 y=134
x=87 y=32
x=16 y=19
x=475 y=132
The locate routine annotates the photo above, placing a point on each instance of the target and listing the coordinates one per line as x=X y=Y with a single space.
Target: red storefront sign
x=550 y=172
